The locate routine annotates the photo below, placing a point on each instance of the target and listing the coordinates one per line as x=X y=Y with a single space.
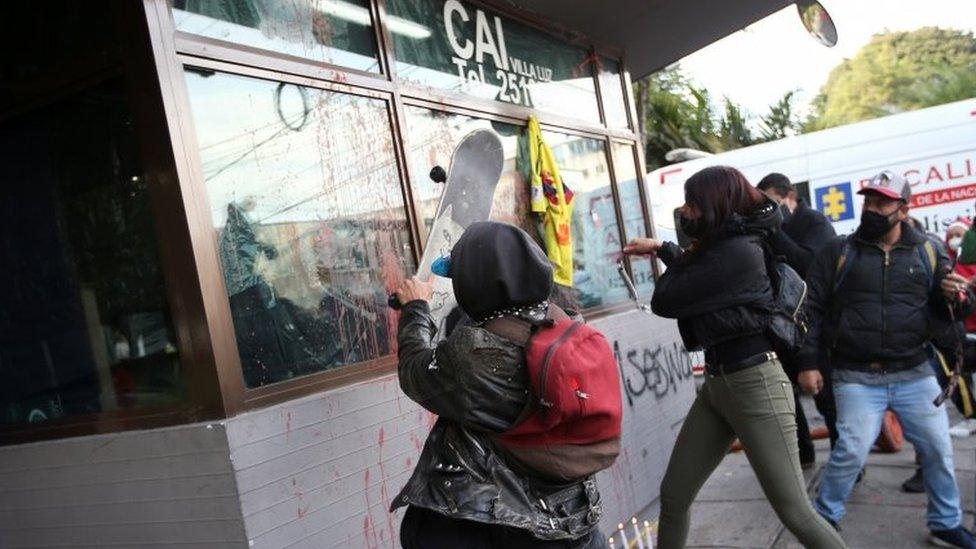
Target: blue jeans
x=860 y=410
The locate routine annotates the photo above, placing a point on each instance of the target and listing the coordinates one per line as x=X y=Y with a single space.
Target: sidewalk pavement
x=731 y=511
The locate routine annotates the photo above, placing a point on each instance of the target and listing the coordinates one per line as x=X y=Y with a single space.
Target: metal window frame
x=190 y=260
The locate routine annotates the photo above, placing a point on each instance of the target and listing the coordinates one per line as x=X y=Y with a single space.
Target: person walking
x=870 y=300
x=804 y=232
x=721 y=295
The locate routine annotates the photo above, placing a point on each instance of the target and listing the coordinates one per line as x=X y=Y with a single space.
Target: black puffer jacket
x=477 y=383
x=883 y=308
x=720 y=291
x=801 y=237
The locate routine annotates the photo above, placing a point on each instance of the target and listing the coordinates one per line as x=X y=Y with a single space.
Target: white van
x=934 y=148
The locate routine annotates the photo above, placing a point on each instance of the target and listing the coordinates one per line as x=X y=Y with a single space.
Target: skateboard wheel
x=438 y=175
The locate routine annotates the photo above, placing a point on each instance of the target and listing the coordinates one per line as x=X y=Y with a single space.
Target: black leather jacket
x=477 y=383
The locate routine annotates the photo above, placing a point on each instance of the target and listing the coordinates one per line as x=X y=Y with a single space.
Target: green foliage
x=676 y=113
x=782 y=120
x=896 y=72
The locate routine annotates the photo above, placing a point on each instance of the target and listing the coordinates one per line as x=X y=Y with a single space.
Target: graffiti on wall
x=654 y=370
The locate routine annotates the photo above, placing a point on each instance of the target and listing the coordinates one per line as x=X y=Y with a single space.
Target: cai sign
x=516 y=76
x=463 y=48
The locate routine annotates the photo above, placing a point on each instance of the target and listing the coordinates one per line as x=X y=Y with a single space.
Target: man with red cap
x=871 y=296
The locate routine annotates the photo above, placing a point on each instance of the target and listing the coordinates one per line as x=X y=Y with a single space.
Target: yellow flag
x=552 y=199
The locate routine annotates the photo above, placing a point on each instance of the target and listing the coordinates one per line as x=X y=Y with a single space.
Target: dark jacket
x=801 y=237
x=720 y=291
x=880 y=316
x=477 y=383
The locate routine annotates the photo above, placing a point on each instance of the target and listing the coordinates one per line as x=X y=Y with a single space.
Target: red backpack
x=571 y=429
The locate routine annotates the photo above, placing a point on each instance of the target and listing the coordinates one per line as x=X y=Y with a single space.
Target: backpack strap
x=927 y=254
x=844 y=263
x=520 y=331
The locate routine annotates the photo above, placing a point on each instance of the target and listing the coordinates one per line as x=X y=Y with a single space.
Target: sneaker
x=963 y=429
x=914 y=485
x=957 y=537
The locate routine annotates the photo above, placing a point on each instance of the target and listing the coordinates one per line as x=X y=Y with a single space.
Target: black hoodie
x=720 y=291
x=496 y=266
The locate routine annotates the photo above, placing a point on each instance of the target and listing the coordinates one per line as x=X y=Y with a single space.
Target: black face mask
x=874 y=225
x=786 y=213
x=691 y=227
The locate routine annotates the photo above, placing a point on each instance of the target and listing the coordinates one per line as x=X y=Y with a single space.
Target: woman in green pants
x=720 y=293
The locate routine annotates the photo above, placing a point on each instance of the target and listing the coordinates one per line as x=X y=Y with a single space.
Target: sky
x=757 y=65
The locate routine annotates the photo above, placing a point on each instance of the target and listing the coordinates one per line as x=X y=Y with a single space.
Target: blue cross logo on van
x=836 y=201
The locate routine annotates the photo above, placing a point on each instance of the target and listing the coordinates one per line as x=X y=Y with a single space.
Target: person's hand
x=953 y=285
x=811 y=381
x=413 y=289
x=643 y=246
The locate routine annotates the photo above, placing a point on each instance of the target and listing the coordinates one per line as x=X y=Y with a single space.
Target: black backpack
x=787 y=324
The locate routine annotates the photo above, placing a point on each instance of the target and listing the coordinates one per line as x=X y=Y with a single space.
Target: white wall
x=171 y=487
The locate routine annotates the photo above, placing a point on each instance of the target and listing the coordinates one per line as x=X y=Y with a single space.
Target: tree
x=733 y=129
x=782 y=121
x=675 y=113
x=896 y=72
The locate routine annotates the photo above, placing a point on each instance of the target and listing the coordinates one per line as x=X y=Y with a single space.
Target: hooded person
x=467 y=491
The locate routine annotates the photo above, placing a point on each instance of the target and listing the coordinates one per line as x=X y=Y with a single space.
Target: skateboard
x=469 y=189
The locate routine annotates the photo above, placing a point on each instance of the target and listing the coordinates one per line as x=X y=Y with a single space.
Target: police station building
x=204 y=205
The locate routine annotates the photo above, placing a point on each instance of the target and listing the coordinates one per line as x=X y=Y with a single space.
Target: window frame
x=190 y=263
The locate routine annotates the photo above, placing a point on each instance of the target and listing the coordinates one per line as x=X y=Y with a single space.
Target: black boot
x=914 y=485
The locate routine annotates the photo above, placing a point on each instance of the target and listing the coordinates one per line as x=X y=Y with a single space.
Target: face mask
x=785 y=211
x=955 y=243
x=874 y=225
x=690 y=227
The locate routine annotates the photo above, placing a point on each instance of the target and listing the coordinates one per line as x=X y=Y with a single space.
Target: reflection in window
x=431 y=139
x=84 y=323
x=596 y=239
x=458 y=46
x=338 y=32
x=614 y=101
x=309 y=219
x=625 y=166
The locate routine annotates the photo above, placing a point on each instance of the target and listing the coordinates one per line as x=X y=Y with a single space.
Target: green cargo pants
x=756 y=405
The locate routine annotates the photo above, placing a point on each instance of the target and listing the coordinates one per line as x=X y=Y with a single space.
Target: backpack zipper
x=543 y=375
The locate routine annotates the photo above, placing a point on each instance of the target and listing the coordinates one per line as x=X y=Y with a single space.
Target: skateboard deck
x=469 y=190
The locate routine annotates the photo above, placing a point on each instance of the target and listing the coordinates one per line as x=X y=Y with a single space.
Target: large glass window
x=431 y=138
x=625 y=167
x=596 y=239
x=309 y=219
x=339 y=32
x=84 y=322
x=460 y=47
